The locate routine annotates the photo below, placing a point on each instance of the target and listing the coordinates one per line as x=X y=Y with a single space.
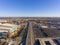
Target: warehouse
x=9 y=29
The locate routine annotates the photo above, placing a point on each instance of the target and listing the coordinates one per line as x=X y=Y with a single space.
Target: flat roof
x=13 y=28
x=9 y=27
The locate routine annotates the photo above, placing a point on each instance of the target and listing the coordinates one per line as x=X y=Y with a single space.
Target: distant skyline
x=29 y=8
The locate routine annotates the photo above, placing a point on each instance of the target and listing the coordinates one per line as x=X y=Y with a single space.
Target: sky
x=29 y=8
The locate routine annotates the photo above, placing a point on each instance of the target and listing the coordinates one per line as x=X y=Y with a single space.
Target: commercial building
x=8 y=29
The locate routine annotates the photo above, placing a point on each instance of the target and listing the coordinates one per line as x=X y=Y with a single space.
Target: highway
x=23 y=41
x=30 y=36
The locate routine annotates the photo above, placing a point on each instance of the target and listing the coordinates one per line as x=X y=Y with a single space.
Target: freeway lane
x=24 y=35
x=30 y=36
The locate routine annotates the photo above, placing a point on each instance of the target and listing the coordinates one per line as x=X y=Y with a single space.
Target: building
x=8 y=29
x=47 y=41
x=3 y=21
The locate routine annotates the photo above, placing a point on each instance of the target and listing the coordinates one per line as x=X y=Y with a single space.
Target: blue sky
x=30 y=8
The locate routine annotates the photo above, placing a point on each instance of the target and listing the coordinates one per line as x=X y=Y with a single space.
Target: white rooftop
x=44 y=26
x=2 y=20
x=7 y=26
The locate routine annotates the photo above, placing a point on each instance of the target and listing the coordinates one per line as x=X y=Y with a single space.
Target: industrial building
x=47 y=41
x=8 y=29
